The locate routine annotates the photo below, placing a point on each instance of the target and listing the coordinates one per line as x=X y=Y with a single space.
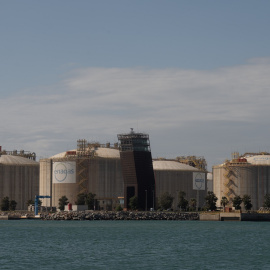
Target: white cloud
x=101 y=102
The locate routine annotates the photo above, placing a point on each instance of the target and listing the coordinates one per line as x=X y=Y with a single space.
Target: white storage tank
x=245 y=175
x=68 y=174
x=172 y=176
x=19 y=179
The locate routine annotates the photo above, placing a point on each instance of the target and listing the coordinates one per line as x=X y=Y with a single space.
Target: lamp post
x=153 y=199
x=145 y=200
x=177 y=200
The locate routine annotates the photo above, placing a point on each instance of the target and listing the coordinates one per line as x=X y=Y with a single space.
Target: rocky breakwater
x=123 y=215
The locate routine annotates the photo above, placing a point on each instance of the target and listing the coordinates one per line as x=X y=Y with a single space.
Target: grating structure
x=85 y=152
x=194 y=161
x=21 y=153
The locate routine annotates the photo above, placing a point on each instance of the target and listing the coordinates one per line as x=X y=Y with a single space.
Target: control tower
x=137 y=168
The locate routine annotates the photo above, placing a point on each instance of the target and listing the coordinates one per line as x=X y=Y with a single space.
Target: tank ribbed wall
x=175 y=181
x=104 y=178
x=19 y=183
x=246 y=180
x=44 y=181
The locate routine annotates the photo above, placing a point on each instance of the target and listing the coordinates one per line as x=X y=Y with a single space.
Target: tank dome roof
x=172 y=165
x=16 y=160
x=102 y=152
x=259 y=160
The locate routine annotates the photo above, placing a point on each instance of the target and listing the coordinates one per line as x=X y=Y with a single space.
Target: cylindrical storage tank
x=57 y=179
x=250 y=177
x=242 y=180
x=101 y=174
x=19 y=179
x=173 y=177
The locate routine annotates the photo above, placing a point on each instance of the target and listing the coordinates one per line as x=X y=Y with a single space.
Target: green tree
x=90 y=200
x=81 y=198
x=237 y=200
x=193 y=204
x=133 y=203
x=5 y=204
x=62 y=202
x=211 y=200
x=224 y=201
x=247 y=202
x=182 y=202
x=267 y=200
x=165 y=200
x=118 y=208
x=12 y=205
x=29 y=202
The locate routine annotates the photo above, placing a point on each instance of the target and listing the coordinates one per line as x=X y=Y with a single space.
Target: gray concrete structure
x=19 y=179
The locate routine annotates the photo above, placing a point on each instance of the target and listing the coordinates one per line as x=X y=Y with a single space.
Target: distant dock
x=10 y=217
x=234 y=216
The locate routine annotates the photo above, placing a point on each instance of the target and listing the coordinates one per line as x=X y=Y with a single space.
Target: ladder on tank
x=229 y=183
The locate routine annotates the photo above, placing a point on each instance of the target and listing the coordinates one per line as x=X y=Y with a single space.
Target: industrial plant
x=117 y=172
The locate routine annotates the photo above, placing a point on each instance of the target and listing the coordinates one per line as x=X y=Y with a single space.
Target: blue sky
x=192 y=74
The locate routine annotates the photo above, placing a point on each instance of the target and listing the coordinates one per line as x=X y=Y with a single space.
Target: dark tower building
x=137 y=167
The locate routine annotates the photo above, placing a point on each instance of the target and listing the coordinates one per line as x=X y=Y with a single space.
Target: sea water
x=37 y=244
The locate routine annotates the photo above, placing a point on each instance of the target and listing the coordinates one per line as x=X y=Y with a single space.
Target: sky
x=192 y=74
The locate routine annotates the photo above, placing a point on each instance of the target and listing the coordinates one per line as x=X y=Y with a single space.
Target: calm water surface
x=28 y=244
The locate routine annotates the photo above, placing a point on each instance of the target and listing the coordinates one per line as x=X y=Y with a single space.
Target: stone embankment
x=123 y=215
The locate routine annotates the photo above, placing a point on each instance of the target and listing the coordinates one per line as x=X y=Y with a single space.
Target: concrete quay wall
x=209 y=217
x=232 y=216
x=9 y=217
x=255 y=217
